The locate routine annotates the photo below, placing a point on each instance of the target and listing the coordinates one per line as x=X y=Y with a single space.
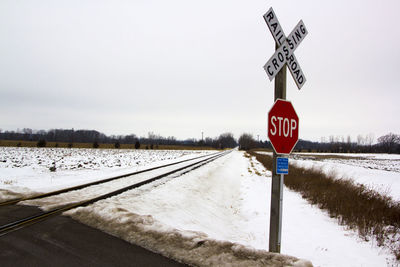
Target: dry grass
x=257 y=172
x=360 y=208
x=263 y=149
x=253 y=168
x=11 y=143
x=9 y=182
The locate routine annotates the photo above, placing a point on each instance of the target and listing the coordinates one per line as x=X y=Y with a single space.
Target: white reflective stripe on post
x=280 y=211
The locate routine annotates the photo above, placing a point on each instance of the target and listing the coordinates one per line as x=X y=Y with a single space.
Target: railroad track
x=64 y=190
x=23 y=222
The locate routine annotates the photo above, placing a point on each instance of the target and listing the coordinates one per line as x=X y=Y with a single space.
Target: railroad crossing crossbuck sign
x=284 y=54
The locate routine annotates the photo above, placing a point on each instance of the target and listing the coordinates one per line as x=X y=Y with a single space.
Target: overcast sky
x=181 y=67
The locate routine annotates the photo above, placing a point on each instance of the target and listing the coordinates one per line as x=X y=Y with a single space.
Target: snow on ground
x=385 y=162
x=90 y=192
x=195 y=218
x=355 y=155
x=380 y=172
x=220 y=212
x=26 y=171
x=384 y=182
x=310 y=233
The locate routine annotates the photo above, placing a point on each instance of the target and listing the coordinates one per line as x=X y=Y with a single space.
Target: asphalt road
x=61 y=241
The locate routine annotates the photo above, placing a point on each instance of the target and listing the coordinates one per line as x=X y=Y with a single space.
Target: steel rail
x=9 y=227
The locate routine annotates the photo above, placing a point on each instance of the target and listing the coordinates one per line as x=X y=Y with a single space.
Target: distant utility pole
x=202 y=136
x=258 y=138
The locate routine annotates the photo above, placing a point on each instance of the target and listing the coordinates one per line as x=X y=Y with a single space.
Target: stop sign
x=283 y=126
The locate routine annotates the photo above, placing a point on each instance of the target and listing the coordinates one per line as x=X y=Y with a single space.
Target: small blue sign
x=282 y=166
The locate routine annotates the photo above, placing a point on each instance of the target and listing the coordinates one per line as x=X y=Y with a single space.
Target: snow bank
x=189 y=247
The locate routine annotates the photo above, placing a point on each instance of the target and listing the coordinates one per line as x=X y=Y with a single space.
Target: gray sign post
x=275 y=68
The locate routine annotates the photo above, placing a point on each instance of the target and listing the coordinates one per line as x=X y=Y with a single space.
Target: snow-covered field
x=206 y=215
x=380 y=172
x=26 y=171
x=384 y=162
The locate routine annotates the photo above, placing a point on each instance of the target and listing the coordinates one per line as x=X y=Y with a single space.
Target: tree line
x=71 y=136
x=389 y=143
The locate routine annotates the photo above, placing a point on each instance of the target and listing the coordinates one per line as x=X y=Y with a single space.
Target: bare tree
x=27 y=131
x=246 y=142
x=389 y=142
x=360 y=140
x=349 y=145
x=226 y=140
x=370 y=138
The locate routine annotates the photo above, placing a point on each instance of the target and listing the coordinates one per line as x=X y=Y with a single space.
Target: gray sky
x=182 y=67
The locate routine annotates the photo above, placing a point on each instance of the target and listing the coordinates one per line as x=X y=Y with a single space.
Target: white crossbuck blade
x=284 y=54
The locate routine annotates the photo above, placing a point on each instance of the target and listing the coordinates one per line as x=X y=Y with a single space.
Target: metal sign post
x=282 y=168
x=275 y=225
x=275 y=68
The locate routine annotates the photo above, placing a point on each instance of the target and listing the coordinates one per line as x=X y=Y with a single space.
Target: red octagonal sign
x=283 y=126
